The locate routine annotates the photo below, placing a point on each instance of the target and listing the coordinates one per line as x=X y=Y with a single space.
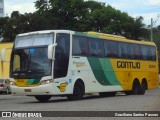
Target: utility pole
x=151 y=30
x=152 y=24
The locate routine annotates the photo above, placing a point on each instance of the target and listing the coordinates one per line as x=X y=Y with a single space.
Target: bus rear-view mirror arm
x=51 y=49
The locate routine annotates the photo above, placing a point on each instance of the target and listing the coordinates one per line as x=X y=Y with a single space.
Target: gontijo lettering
x=124 y=64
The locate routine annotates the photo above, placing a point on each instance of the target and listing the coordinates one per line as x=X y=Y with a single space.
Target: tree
x=42 y=6
x=77 y=15
x=158 y=27
x=137 y=28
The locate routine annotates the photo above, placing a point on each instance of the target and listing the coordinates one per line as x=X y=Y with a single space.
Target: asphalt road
x=148 y=102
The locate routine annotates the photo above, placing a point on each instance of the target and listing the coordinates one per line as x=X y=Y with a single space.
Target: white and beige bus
x=67 y=63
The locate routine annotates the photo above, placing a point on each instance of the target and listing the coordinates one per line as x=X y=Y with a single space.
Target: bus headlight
x=46 y=82
x=12 y=83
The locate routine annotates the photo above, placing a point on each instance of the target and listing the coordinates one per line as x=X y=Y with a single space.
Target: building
x=1 y=8
x=4 y=66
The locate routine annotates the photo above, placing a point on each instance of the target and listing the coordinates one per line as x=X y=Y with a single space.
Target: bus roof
x=119 y=38
x=45 y=32
x=106 y=35
x=91 y=34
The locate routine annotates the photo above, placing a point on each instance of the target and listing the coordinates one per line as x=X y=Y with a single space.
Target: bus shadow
x=91 y=97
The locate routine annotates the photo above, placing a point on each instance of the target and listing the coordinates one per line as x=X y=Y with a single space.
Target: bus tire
x=136 y=87
x=43 y=98
x=143 y=87
x=107 y=94
x=78 y=91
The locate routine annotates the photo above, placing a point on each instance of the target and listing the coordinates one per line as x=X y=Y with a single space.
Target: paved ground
x=148 y=102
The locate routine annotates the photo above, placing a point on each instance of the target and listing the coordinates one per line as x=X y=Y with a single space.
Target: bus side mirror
x=51 y=51
x=3 y=54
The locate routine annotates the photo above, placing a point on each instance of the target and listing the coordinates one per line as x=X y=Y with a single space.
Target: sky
x=146 y=8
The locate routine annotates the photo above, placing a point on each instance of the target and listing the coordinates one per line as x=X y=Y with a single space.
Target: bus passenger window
x=80 y=46
x=106 y=49
x=144 y=52
x=92 y=46
x=112 y=49
x=152 y=53
x=135 y=51
x=100 y=48
x=124 y=50
x=84 y=47
x=76 y=47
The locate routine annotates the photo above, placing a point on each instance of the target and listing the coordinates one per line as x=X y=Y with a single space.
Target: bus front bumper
x=47 y=89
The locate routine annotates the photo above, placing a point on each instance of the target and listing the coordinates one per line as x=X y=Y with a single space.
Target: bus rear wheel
x=137 y=89
x=143 y=87
x=78 y=91
x=43 y=98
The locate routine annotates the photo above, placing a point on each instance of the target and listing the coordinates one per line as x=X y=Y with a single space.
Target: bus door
x=61 y=56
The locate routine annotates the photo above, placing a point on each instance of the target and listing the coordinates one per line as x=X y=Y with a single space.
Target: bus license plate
x=27 y=90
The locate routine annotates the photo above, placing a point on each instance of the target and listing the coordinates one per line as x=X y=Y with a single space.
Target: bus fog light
x=46 y=82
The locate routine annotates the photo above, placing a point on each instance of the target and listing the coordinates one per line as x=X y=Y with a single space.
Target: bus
x=68 y=63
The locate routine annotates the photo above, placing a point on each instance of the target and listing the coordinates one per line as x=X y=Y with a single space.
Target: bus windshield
x=33 y=40
x=30 y=63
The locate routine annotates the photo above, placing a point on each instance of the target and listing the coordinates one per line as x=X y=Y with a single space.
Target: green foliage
x=77 y=15
x=156 y=37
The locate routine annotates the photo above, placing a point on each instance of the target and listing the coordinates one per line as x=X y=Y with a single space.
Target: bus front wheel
x=78 y=91
x=43 y=98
